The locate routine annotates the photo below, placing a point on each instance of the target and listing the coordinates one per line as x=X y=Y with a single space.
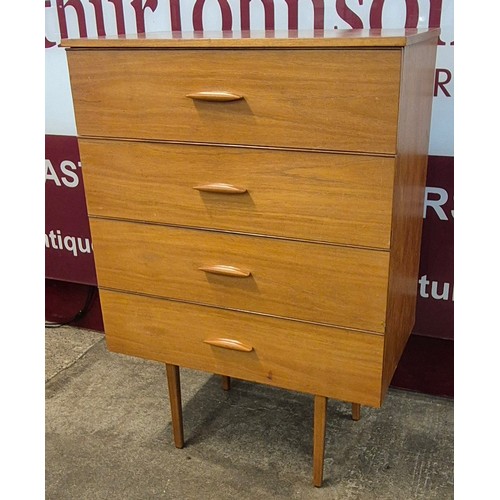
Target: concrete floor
x=109 y=436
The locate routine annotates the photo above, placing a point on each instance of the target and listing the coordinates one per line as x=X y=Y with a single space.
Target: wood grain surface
x=409 y=189
x=174 y=395
x=328 y=38
x=256 y=203
x=319 y=430
x=370 y=101
x=327 y=99
x=306 y=281
x=340 y=364
x=334 y=198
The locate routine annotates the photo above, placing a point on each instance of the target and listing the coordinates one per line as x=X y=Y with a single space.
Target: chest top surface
x=357 y=38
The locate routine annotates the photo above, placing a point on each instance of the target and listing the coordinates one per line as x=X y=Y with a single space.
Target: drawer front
x=340 y=364
x=326 y=99
x=306 y=281
x=313 y=196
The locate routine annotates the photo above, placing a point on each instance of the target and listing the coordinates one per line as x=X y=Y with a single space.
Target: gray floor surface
x=109 y=436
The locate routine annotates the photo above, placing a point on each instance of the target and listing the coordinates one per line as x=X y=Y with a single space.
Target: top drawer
x=333 y=99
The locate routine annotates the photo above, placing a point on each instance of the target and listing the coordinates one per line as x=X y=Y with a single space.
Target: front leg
x=174 y=393
x=320 y=404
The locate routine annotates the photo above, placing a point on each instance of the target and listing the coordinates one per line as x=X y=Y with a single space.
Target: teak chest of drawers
x=256 y=203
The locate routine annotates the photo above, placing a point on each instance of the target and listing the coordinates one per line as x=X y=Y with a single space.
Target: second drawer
x=305 y=281
x=335 y=198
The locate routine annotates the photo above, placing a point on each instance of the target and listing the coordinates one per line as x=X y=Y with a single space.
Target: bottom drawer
x=336 y=363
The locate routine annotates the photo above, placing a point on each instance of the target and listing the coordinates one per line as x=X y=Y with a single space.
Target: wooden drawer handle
x=215 y=96
x=235 y=272
x=221 y=187
x=234 y=345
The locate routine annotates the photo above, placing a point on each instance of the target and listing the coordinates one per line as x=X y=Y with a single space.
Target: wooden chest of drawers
x=256 y=203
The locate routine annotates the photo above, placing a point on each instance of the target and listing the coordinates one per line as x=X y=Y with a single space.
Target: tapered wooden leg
x=226 y=383
x=356 y=411
x=174 y=393
x=319 y=439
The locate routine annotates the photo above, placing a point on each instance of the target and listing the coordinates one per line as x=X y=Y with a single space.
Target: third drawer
x=306 y=281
